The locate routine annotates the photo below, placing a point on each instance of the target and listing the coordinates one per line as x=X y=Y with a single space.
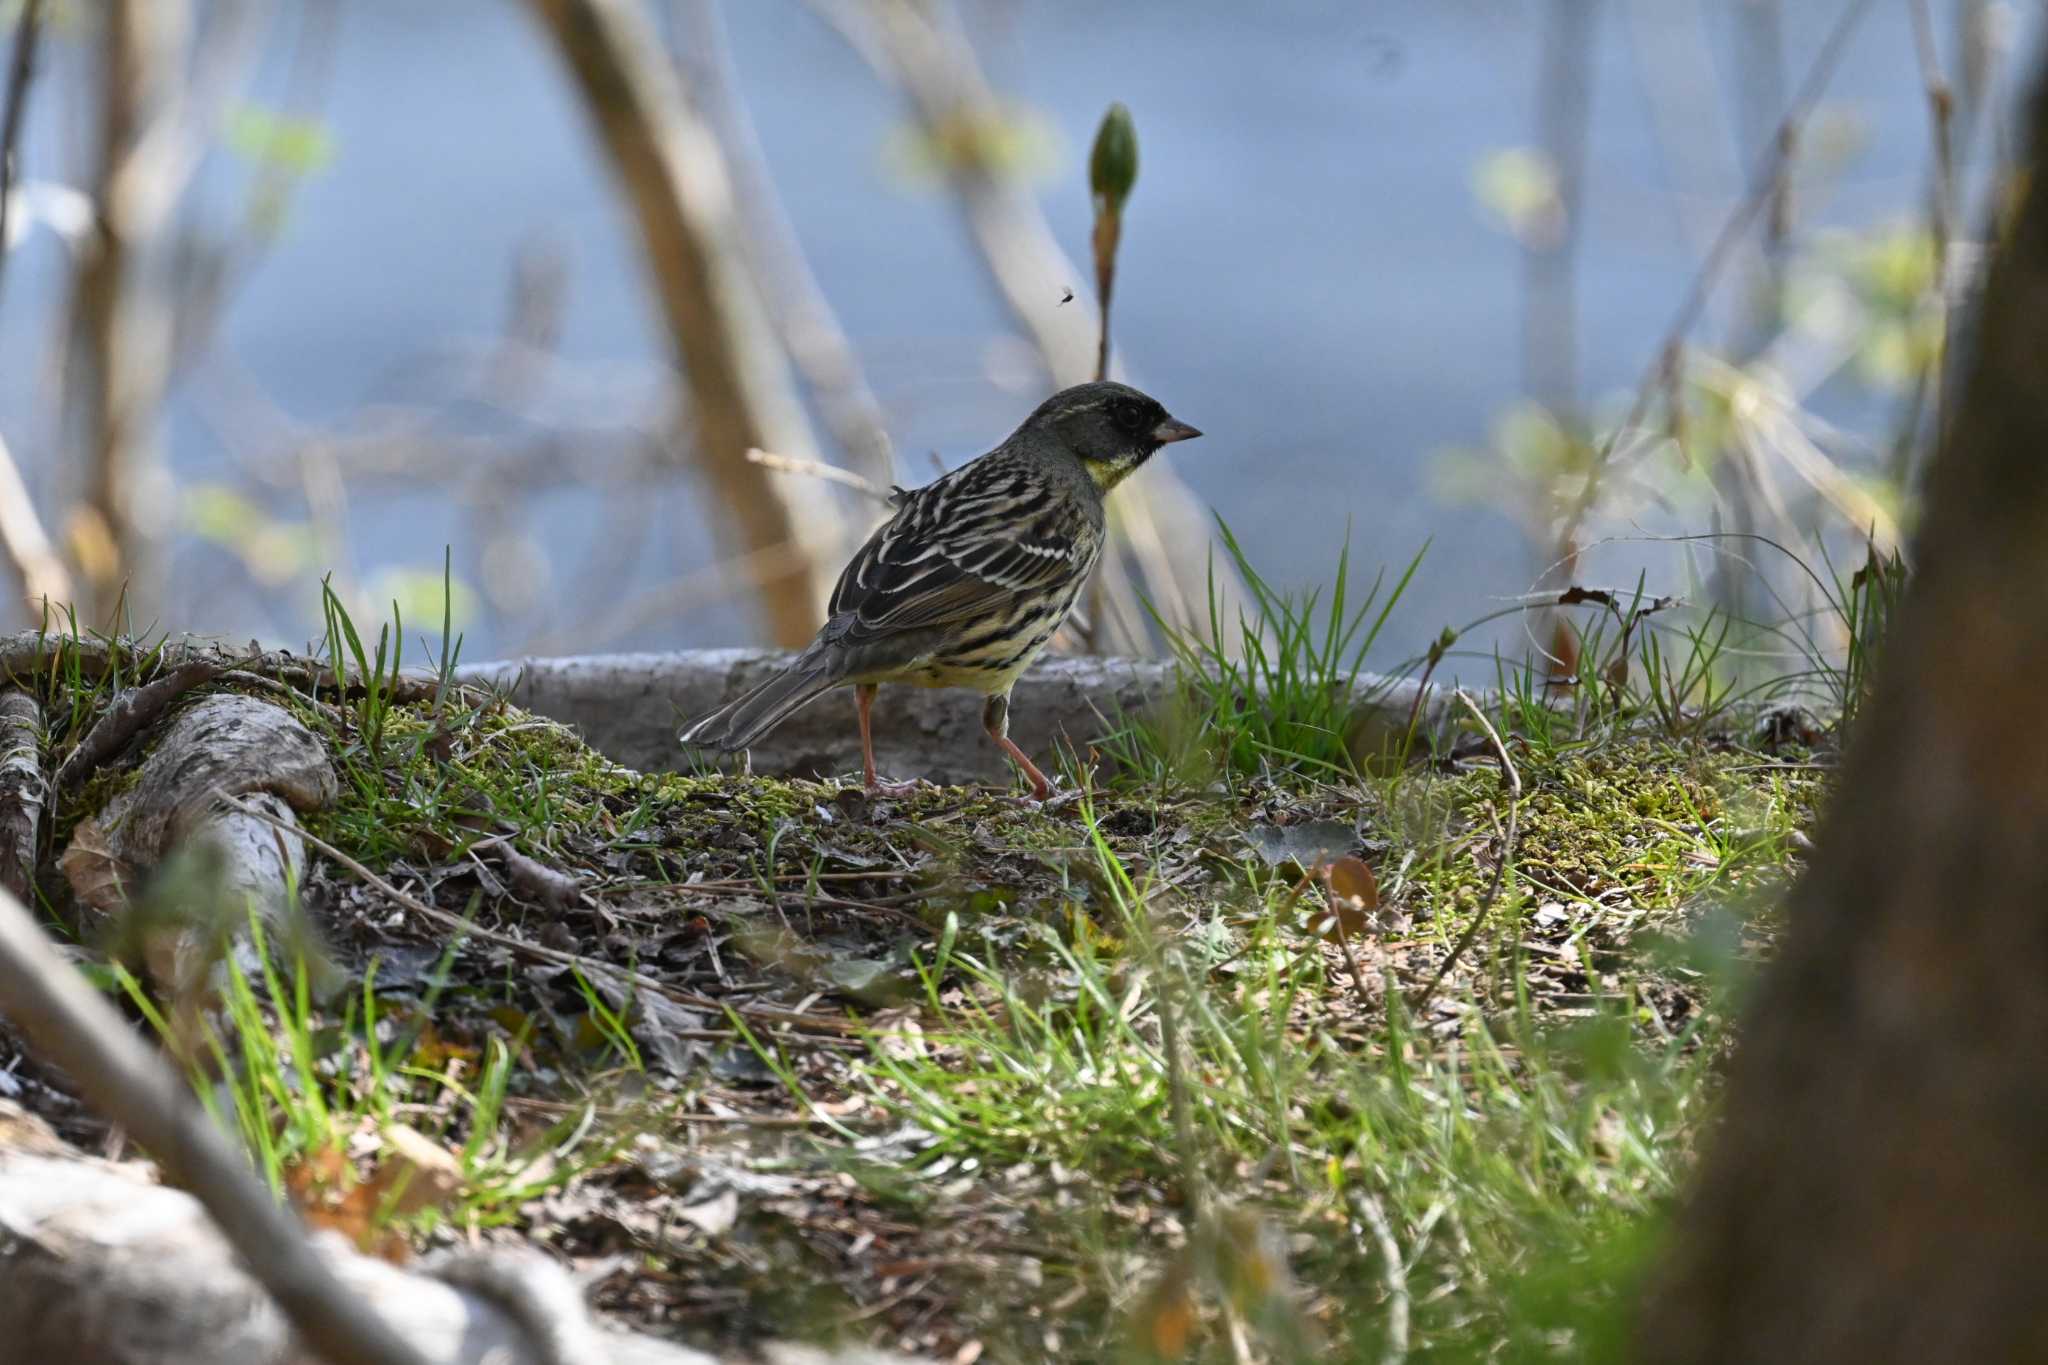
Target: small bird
x=970 y=577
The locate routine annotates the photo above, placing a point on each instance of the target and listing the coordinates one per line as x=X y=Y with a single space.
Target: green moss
x=1643 y=824
x=92 y=798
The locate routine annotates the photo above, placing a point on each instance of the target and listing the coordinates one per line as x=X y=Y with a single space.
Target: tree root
x=24 y=790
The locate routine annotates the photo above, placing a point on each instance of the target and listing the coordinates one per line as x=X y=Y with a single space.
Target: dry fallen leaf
x=1352 y=894
x=1166 y=1318
x=322 y=1187
x=416 y=1173
x=97 y=876
x=714 y=1217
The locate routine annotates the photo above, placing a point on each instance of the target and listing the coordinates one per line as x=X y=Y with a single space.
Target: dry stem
x=1513 y=781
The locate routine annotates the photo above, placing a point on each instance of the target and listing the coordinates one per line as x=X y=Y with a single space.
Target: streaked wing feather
x=956 y=549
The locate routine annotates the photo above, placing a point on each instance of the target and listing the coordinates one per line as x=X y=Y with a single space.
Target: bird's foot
x=1057 y=800
x=875 y=788
x=1049 y=799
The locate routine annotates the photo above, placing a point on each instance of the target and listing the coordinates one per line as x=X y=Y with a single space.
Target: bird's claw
x=1050 y=801
x=895 y=790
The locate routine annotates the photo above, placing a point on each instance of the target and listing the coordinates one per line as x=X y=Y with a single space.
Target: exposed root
x=131 y=712
x=24 y=790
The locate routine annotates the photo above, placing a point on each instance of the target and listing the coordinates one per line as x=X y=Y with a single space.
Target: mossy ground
x=957 y=1074
x=951 y=1069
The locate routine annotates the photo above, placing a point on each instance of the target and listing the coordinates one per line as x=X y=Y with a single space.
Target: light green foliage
x=309 y=1087
x=298 y=145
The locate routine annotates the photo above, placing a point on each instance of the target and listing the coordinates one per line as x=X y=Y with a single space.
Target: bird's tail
x=739 y=723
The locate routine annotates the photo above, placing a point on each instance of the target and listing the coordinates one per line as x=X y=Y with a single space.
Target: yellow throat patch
x=1112 y=470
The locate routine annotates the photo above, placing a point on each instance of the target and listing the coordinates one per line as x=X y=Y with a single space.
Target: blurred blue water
x=1306 y=274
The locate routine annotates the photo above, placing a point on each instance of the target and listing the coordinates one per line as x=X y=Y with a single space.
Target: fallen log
x=225 y=744
x=630 y=706
x=99 y=1263
x=24 y=790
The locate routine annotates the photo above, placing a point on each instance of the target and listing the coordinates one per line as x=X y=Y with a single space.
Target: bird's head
x=1111 y=428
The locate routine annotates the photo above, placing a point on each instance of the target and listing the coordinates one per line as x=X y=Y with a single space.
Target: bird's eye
x=1126 y=414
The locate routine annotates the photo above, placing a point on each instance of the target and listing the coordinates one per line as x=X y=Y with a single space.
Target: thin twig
x=810 y=330
x=817 y=469
x=1776 y=160
x=27 y=30
x=1394 y=1277
x=548 y=887
x=285 y=692
x=589 y=966
x=74 y=1026
x=1513 y=781
x=1351 y=960
x=1941 y=107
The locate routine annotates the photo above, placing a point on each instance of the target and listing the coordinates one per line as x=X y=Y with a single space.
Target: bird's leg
x=863 y=698
x=995 y=718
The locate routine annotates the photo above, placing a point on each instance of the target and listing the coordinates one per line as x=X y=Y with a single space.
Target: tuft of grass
x=1278 y=691
x=1866 y=605
x=310 y=1092
x=344 y=646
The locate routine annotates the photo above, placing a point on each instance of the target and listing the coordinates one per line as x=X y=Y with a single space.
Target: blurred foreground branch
x=1876 y=1190
x=676 y=179
x=68 y=1022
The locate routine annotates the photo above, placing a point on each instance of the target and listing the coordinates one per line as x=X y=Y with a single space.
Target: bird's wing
x=958 y=548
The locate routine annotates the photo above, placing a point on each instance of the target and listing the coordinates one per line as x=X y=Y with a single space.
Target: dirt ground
x=717 y=1006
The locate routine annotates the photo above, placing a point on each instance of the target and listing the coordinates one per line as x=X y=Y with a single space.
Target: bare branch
x=810 y=330
x=75 y=1027
x=817 y=469
x=132 y=711
x=674 y=174
x=27 y=30
x=122 y=331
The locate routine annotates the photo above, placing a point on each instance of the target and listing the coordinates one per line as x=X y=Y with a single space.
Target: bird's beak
x=1171 y=430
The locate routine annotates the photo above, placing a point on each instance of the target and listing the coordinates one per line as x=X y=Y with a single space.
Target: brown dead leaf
x=1352 y=895
x=322 y=1186
x=98 y=877
x=1166 y=1318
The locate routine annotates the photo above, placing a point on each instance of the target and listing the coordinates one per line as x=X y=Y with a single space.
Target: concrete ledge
x=630 y=706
